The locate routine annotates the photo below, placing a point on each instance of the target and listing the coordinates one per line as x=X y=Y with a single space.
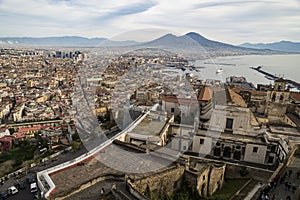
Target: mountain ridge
x=62 y=41
x=190 y=41
x=283 y=45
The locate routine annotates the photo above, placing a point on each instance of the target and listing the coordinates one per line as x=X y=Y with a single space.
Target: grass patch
x=229 y=188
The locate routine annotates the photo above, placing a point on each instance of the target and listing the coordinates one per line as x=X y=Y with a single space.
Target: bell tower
x=277 y=100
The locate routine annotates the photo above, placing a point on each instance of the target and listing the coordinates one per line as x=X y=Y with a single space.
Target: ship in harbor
x=219 y=71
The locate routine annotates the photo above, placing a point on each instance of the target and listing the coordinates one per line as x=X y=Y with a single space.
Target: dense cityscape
x=149 y=100
x=203 y=136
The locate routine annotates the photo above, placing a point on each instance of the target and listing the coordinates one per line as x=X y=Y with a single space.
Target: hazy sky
x=233 y=21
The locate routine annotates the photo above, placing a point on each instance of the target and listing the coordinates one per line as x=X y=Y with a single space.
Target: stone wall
x=161 y=183
x=233 y=172
x=216 y=178
x=198 y=181
x=207 y=181
x=135 y=193
x=204 y=177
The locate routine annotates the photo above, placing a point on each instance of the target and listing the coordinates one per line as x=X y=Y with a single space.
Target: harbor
x=292 y=83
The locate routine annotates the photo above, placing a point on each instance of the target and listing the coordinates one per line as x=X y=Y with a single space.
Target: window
x=201 y=141
x=255 y=149
x=273 y=97
x=279 y=87
x=273 y=149
x=281 y=98
x=271 y=159
x=229 y=123
x=172 y=110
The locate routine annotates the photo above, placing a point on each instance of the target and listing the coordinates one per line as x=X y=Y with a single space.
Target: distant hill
x=65 y=41
x=287 y=46
x=191 y=43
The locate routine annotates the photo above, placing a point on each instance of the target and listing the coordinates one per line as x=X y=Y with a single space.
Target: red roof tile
x=7 y=138
x=19 y=135
x=28 y=129
x=295 y=96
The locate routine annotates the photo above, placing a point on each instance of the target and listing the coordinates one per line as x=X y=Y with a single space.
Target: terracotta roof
x=19 y=135
x=236 y=98
x=205 y=94
x=171 y=99
x=174 y=99
x=7 y=138
x=34 y=128
x=253 y=92
x=295 y=96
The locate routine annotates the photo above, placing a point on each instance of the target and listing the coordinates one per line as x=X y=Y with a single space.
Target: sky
x=230 y=21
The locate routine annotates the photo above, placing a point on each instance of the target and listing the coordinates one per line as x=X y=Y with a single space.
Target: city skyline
x=232 y=21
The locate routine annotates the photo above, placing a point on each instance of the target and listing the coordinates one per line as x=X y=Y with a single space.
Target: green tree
x=75 y=145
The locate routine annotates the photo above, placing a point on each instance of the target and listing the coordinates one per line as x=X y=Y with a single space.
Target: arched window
x=281 y=97
x=227 y=152
x=279 y=87
x=217 y=152
x=273 y=97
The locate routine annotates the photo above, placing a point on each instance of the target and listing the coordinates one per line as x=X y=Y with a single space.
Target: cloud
x=233 y=21
x=222 y=3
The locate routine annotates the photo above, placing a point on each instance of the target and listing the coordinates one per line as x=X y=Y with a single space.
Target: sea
x=287 y=66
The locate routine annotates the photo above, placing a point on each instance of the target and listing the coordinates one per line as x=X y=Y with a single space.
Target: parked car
x=12 y=190
x=33 y=187
x=4 y=195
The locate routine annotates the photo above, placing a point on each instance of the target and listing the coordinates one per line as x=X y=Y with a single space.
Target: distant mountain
x=111 y=43
x=276 y=46
x=65 y=41
x=191 y=43
x=195 y=43
x=213 y=45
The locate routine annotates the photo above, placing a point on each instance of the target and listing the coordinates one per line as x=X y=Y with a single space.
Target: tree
x=75 y=145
